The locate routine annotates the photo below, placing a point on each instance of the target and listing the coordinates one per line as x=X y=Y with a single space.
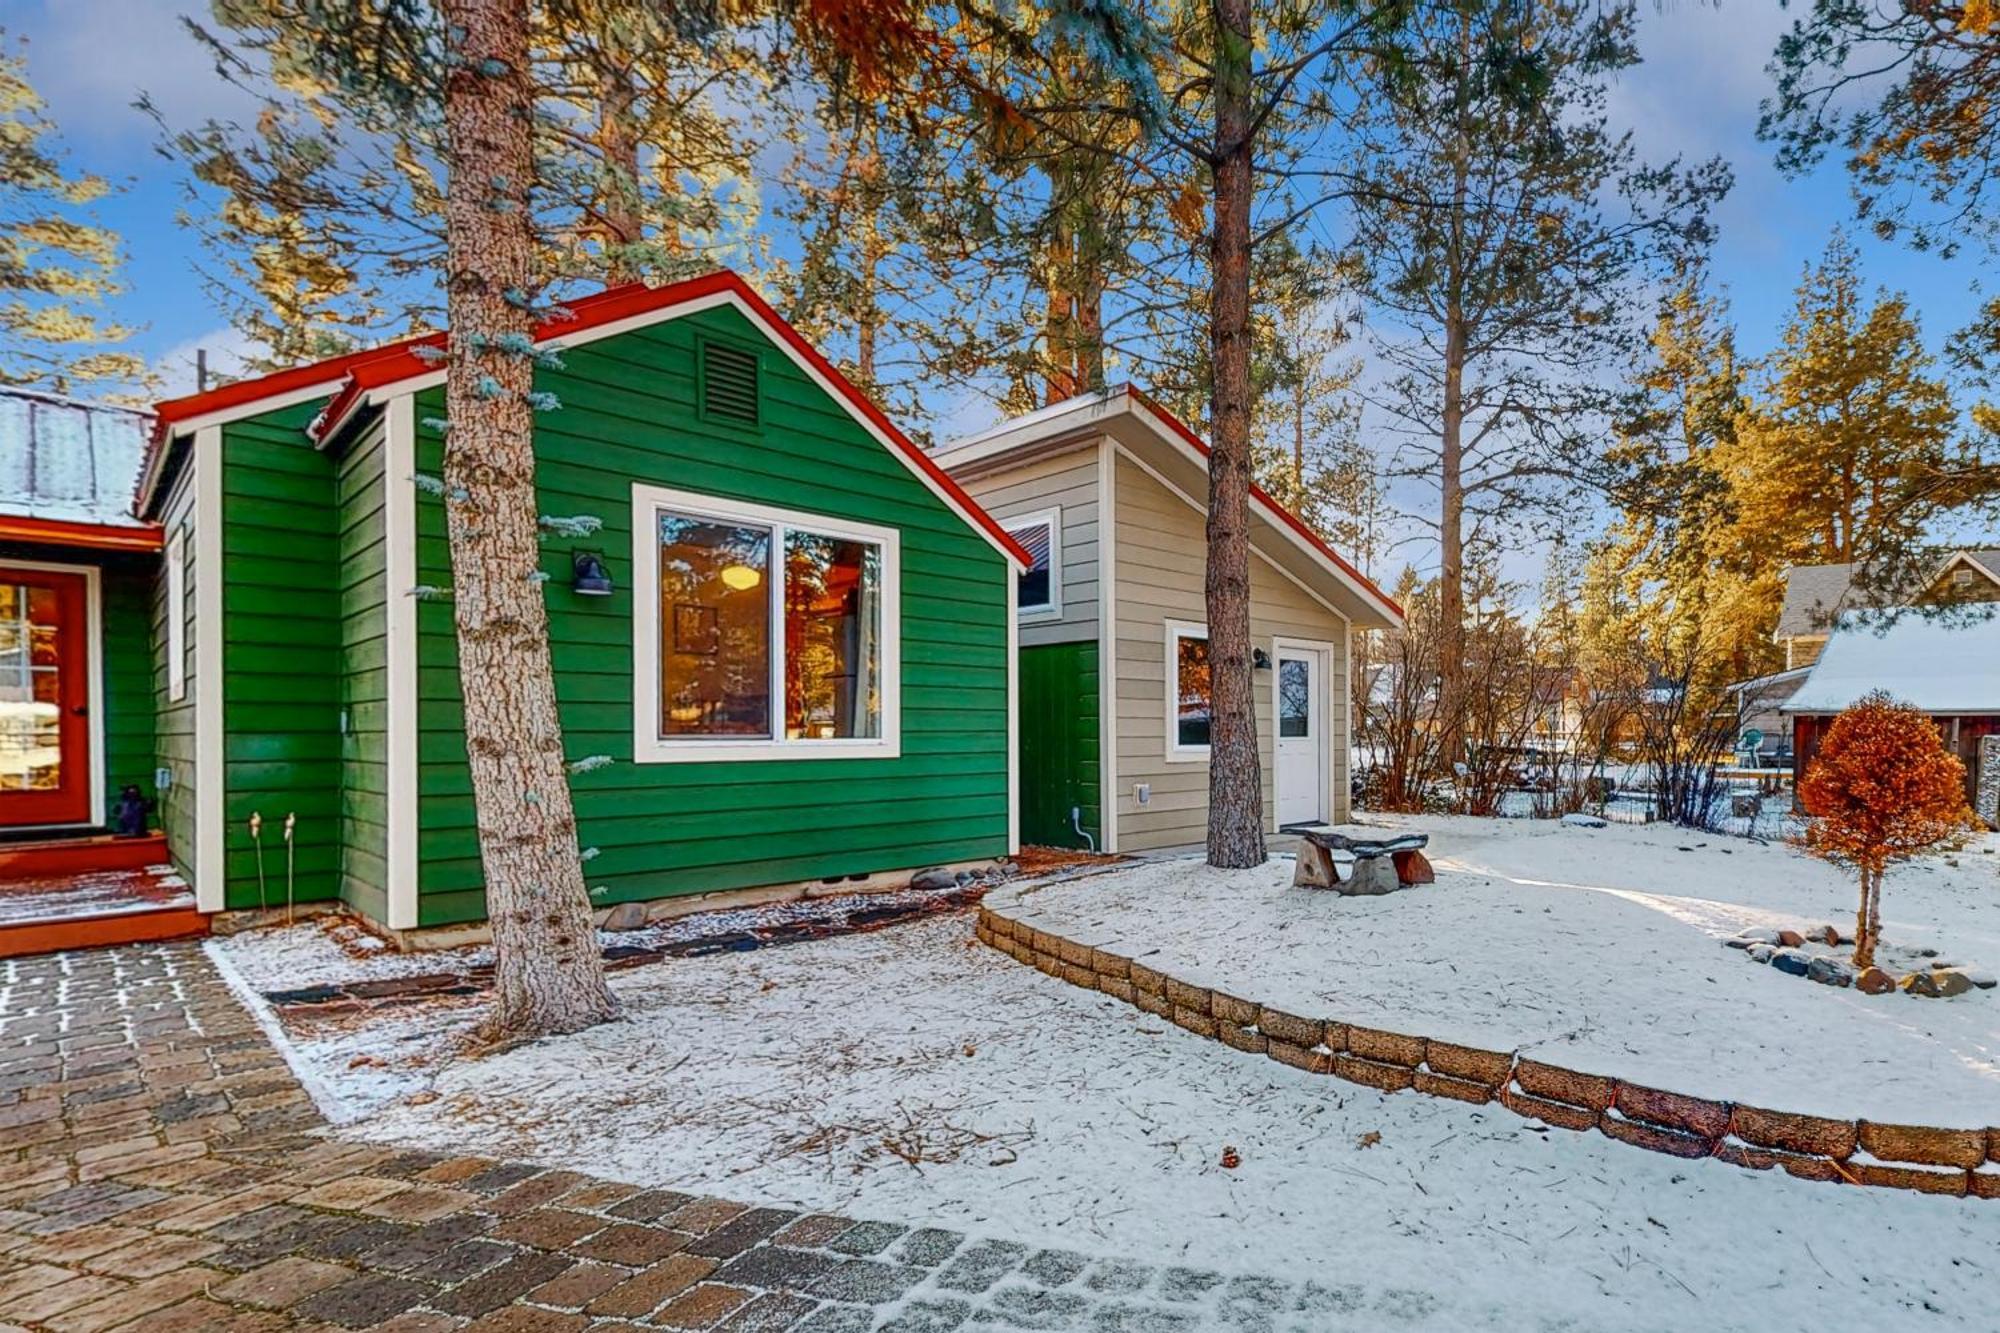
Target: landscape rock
x=1874 y=981
x=1980 y=977
x=1583 y=821
x=1830 y=972
x=1761 y=953
x=1951 y=981
x=1757 y=935
x=934 y=877
x=1792 y=961
x=1833 y=936
x=1791 y=939
x=626 y=916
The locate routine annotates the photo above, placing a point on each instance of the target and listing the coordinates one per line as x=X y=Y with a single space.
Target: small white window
x=761 y=633
x=1961 y=578
x=1039 y=591
x=176 y=616
x=1190 y=702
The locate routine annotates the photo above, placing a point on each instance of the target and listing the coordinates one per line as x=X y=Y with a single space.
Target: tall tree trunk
x=618 y=141
x=1235 y=781
x=1059 y=319
x=549 y=976
x=1451 y=544
x=1090 y=323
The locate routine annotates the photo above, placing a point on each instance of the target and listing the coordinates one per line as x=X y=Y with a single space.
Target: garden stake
x=291 y=818
x=257 y=837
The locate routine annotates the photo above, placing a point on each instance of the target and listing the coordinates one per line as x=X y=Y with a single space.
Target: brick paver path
x=160 y=1169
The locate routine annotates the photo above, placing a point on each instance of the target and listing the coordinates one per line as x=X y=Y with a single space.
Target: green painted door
x=1059 y=771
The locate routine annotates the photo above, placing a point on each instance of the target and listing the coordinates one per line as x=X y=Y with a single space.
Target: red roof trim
x=391 y=364
x=1284 y=515
x=66 y=532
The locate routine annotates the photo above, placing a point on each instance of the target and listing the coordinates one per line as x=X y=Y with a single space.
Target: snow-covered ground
x=913 y=1074
x=333 y=948
x=1596 y=949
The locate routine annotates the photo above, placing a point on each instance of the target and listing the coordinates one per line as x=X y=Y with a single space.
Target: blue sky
x=1697 y=94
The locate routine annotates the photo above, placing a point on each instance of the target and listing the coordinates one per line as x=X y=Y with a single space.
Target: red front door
x=44 y=698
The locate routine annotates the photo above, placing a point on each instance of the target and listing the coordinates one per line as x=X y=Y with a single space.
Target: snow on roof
x=1942 y=664
x=67 y=460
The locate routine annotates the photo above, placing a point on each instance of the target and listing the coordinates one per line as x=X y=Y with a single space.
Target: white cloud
x=226 y=348
x=92 y=58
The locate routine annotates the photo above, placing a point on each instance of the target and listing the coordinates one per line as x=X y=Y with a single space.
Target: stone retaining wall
x=1957 y=1162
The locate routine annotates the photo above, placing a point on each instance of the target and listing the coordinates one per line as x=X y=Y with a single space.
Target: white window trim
x=1176 y=753
x=648 y=746
x=176 y=616
x=1053 y=518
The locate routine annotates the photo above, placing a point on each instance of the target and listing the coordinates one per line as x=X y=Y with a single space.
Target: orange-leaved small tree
x=1882 y=788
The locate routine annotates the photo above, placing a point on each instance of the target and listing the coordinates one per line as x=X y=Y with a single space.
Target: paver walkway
x=161 y=1169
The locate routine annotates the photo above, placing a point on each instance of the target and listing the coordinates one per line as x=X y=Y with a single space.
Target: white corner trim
x=399 y=540
x=1052 y=519
x=648 y=746
x=1109 y=784
x=1013 y=711
x=93 y=652
x=175 y=574
x=1175 y=752
x=210 y=770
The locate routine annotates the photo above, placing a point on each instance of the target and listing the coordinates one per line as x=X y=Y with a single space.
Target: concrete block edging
x=1923 y=1158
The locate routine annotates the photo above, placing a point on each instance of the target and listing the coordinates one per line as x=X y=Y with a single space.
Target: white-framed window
x=1039 y=590
x=1189 y=700
x=176 y=616
x=762 y=633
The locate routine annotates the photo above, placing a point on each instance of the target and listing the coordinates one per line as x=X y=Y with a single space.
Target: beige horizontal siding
x=1068 y=481
x=1160 y=555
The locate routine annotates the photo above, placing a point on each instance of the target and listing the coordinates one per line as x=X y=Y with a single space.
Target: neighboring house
x=792 y=635
x=1760 y=709
x=1816 y=595
x=76 y=584
x=1947 y=666
x=1109 y=492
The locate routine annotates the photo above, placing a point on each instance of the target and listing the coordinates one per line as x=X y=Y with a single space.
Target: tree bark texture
x=1235 y=781
x=618 y=141
x=549 y=977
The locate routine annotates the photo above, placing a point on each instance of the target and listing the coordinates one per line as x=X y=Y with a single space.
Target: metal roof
x=69 y=461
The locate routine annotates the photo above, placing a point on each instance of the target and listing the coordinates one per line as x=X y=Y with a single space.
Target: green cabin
x=789 y=634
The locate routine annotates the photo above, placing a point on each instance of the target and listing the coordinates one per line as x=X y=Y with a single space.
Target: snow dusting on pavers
x=913 y=1074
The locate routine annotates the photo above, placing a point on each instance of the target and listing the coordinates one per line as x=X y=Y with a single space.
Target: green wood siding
x=129 y=704
x=281 y=676
x=1059 y=743
x=629 y=415
x=364 y=628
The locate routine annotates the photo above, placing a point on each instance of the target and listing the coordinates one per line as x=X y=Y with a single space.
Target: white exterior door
x=1301 y=743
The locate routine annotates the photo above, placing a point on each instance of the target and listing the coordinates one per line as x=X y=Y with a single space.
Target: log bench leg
x=1316 y=868
x=1412 y=867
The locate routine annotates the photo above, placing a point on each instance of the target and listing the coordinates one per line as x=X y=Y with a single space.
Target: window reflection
x=833 y=637
x=715 y=628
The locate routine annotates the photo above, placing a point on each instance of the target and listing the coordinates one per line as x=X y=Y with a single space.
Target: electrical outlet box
x=1143 y=793
x=163 y=778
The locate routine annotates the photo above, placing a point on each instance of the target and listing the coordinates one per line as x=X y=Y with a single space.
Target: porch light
x=1260 y=659
x=588 y=576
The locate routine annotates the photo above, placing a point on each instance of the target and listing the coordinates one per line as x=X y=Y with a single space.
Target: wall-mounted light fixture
x=588 y=576
x=1260 y=659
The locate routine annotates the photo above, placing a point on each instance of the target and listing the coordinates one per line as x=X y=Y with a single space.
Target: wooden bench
x=1381 y=865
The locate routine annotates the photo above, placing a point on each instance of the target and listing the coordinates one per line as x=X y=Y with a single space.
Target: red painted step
x=79 y=856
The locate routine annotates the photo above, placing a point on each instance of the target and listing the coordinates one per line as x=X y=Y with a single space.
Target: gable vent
x=728 y=383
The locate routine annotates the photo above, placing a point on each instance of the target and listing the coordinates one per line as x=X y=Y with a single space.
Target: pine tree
x=56 y=265
x=1851 y=449
x=1507 y=237
x=1911 y=93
